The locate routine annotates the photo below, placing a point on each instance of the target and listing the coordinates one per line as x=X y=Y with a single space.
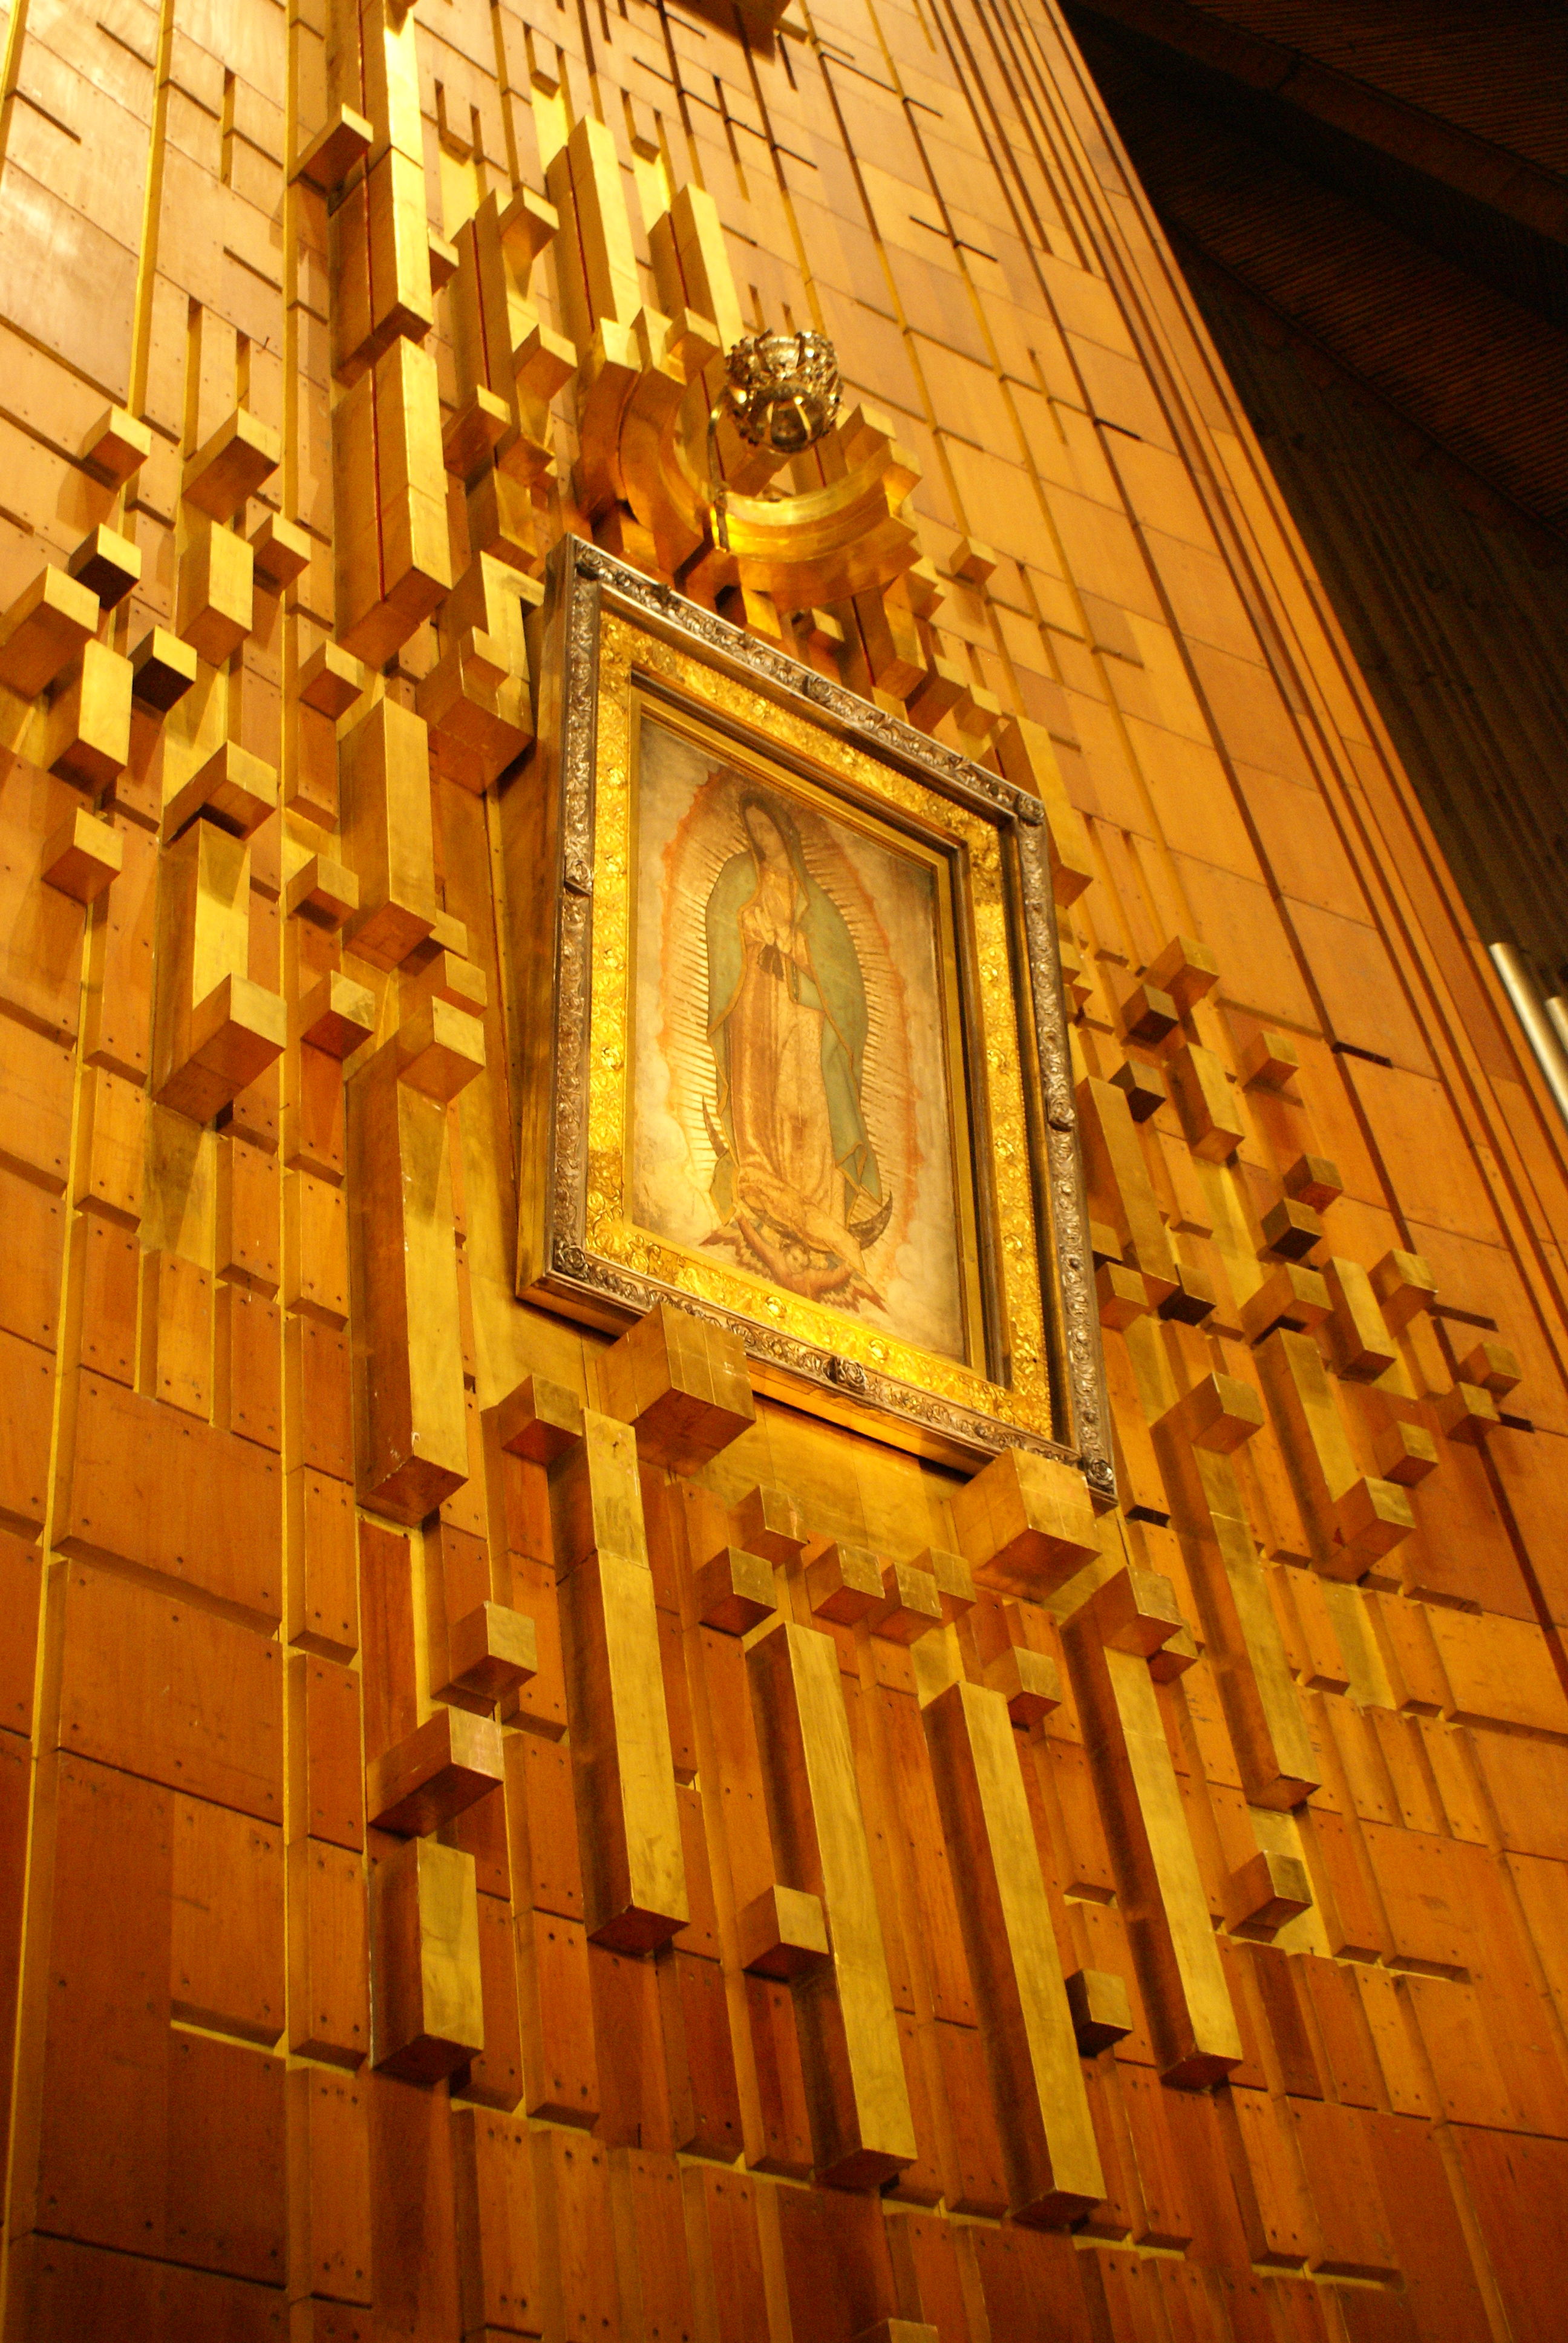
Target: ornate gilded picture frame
x=787 y=1032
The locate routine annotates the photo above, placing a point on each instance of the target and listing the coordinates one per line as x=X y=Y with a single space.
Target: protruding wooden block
x=83 y=856
x=176 y=1363
x=997 y=1626
x=734 y=1590
x=1026 y=746
x=899 y=2330
x=1025 y=1523
x=428 y=2000
x=971 y=559
x=414 y=573
x=1405 y=1286
x=955 y=1581
x=1289 y=1296
x=116 y=445
x=399 y=235
x=499 y=2271
x=682 y=1382
x=557 y=2012
x=1138 y=1612
x=445 y=977
x=384 y=771
x=316 y=1249
x=280 y=551
x=783 y=1933
x=1369 y=1521
x=1406 y=1453
x=1211 y=1122
x=330 y=2138
x=231 y=466
x=596 y=1495
x=1077 y=988
x=634 y=1867
x=233 y=789
x=1266 y=1892
x=1192 y=2025
x=331 y=680
x=844 y=1583
x=542 y=362
x=1178 y=1653
x=452 y=1759
x=1121 y=1295
x=491 y=1650
x=769 y=1521
x=540 y=1420
x=324 y=1581
x=329 y=1949
x=1051 y=2161
x=234 y=1036
x=344 y=140
x=107 y=564
x=1119 y=1181
x=500 y=513
x=1143 y=1087
x=476 y=709
x=1269 y=1061
x=1147 y=1014
x=476 y=431
x=215 y=1030
x=527 y=222
x=337 y=1015
x=1290 y=1229
x=1309 y=1426
x=440 y=1049
x=912 y=1604
x=163 y=669
x=1314 y=1181
x=863 y=2130
x=217 y=593
x=1494 y=1366
x=1186 y=969
x=1027 y=1680
x=1191 y=1298
x=1468 y=1412
x=1101 y=2009
x=88 y=729
x=1356 y=1336
x=692 y=343
x=938 y=695
x=413 y=1423
x=325 y=890
x=444 y=263
x=45 y=630
x=1219 y=1413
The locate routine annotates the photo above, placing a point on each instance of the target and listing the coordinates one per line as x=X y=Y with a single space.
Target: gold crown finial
x=783 y=389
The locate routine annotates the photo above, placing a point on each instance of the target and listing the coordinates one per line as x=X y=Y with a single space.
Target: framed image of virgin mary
x=789 y=1033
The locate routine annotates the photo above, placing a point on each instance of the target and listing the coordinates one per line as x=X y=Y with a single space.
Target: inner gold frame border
x=565 y=829
x=641 y=677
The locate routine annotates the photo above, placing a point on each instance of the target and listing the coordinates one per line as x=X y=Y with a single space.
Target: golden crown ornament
x=783 y=389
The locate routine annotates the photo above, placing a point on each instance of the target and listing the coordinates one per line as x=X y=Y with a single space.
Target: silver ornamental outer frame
x=582 y=581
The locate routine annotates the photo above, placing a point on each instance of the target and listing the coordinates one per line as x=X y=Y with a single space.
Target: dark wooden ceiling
x=1387 y=180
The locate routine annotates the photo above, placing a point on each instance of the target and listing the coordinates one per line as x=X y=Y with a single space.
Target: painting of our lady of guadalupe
x=792 y=1091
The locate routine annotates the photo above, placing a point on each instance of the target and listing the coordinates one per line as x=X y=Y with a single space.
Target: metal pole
x=1540 y=1025
x=1557 y=1010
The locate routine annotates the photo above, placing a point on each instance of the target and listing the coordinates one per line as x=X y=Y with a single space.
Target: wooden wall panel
x=769 y=2053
